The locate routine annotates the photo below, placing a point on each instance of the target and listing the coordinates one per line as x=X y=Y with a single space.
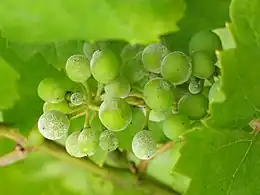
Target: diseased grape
x=53 y=125
x=77 y=98
x=72 y=145
x=88 y=141
x=108 y=141
x=153 y=55
x=78 y=68
x=144 y=145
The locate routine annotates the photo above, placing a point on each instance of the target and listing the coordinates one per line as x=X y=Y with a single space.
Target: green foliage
x=216 y=153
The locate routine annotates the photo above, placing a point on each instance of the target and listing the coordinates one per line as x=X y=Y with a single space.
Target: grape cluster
x=115 y=90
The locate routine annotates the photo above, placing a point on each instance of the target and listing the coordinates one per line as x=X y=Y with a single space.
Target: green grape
x=130 y=51
x=141 y=84
x=194 y=106
x=89 y=49
x=51 y=90
x=203 y=66
x=137 y=124
x=105 y=66
x=72 y=145
x=88 y=141
x=195 y=86
x=61 y=106
x=158 y=94
x=158 y=116
x=78 y=68
x=108 y=141
x=53 y=124
x=175 y=125
x=215 y=93
x=115 y=114
x=205 y=41
x=176 y=67
x=153 y=55
x=133 y=69
x=119 y=87
x=77 y=98
x=144 y=145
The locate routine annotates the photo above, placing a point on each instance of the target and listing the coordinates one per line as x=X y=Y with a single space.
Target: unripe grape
x=51 y=90
x=78 y=68
x=105 y=66
x=144 y=145
x=153 y=55
x=77 y=98
x=115 y=114
x=53 y=124
x=176 y=67
x=72 y=145
x=88 y=141
x=158 y=94
x=119 y=87
x=108 y=141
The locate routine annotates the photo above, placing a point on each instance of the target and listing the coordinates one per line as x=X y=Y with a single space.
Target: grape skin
x=118 y=88
x=77 y=98
x=53 y=125
x=175 y=125
x=194 y=106
x=205 y=41
x=108 y=141
x=72 y=145
x=203 y=65
x=158 y=94
x=195 y=87
x=115 y=114
x=89 y=49
x=51 y=90
x=105 y=66
x=88 y=141
x=176 y=67
x=153 y=55
x=78 y=68
x=158 y=116
x=144 y=145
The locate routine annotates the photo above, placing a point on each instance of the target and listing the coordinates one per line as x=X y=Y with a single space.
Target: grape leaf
x=28 y=108
x=220 y=162
x=135 y=21
x=199 y=15
x=8 y=90
x=240 y=70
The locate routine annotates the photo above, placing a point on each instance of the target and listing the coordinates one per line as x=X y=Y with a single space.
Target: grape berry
x=120 y=93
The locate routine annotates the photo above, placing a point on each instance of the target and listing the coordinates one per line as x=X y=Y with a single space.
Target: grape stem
x=121 y=177
x=99 y=91
x=87 y=92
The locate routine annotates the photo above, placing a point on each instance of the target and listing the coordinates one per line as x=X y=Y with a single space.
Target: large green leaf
x=221 y=162
x=240 y=70
x=199 y=15
x=52 y=20
x=8 y=85
x=28 y=108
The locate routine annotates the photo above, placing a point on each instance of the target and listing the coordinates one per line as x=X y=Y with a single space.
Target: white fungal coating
x=144 y=145
x=53 y=124
x=77 y=98
x=108 y=141
x=72 y=145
